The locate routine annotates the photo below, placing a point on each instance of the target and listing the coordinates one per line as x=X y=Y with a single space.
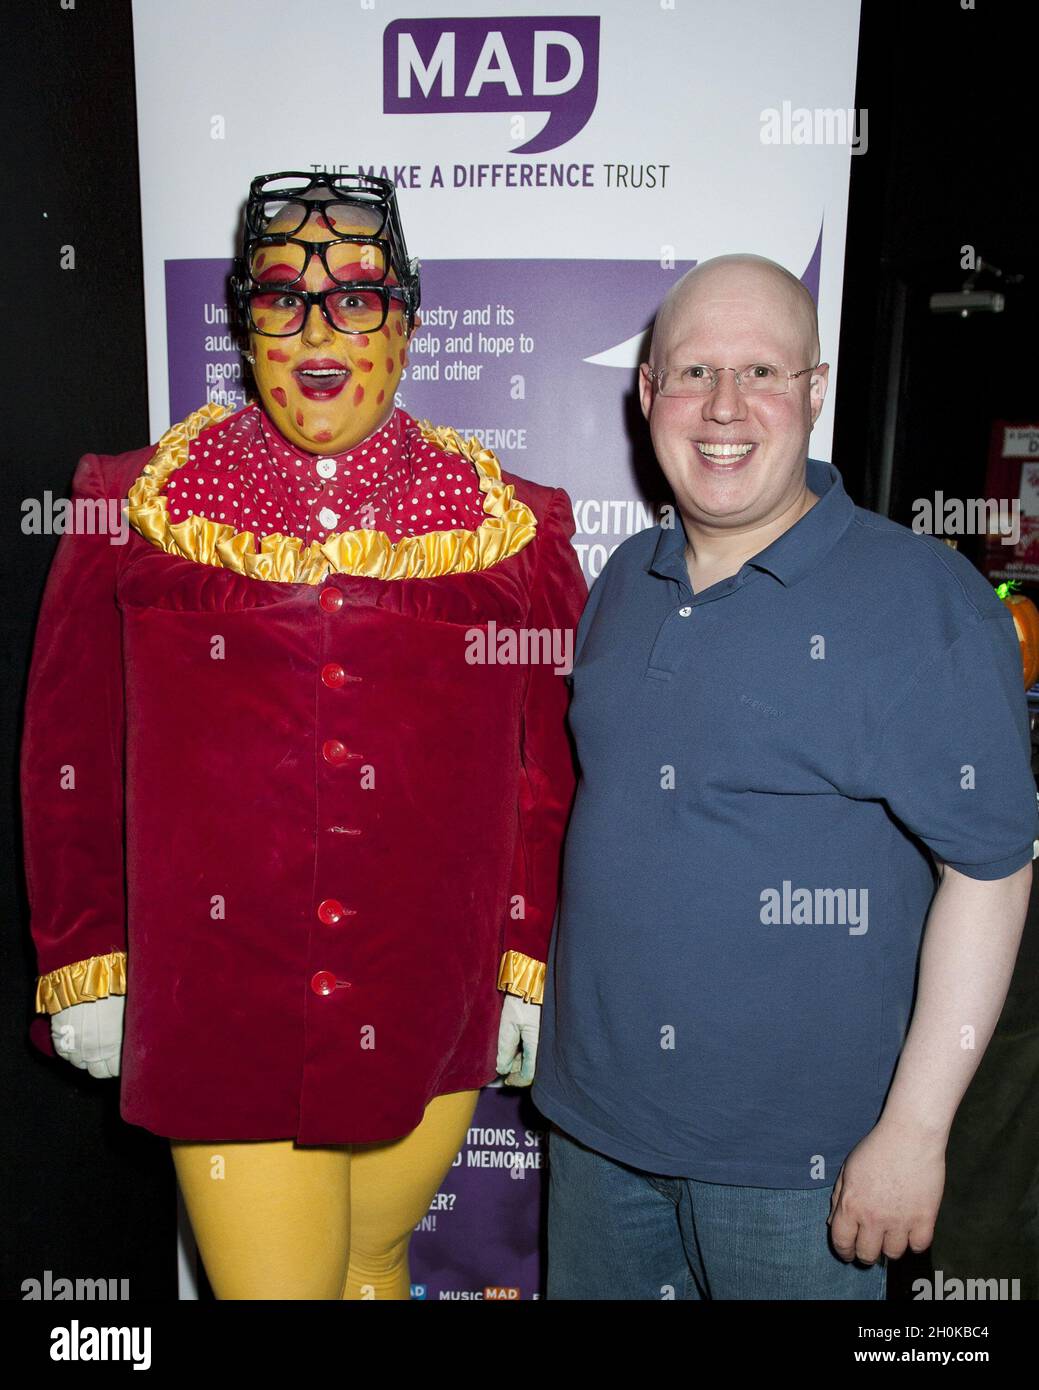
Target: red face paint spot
x=363 y=365
x=400 y=330
x=361 y=339
x=276 y=355
x=359 y=395
x=260 y=260
x=380 y=398
x=385 y=330
x=280 y=272
x=299 y=417
x=261 y=320
x=279 y=395
x=401 y=356
x=389 y=364
x=323 y=436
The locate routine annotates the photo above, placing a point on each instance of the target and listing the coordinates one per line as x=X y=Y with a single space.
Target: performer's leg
x=271 y=1220
x=392 y=1186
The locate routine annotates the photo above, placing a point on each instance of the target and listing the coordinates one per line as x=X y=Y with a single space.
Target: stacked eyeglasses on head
x=351 y=223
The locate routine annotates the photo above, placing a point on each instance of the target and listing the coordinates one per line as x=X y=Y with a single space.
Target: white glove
x=91 y=1035
x=519 y=1027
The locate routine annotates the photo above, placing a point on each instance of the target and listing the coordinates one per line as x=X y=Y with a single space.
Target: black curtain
x=85 y=1196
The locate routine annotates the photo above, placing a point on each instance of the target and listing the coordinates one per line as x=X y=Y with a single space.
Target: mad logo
x=513 y=64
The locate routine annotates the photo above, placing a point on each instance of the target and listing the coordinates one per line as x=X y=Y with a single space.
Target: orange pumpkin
x=1026 y=621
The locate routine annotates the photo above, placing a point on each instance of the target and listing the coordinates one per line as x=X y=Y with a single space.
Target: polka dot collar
x=243 y=472
x=367 y=455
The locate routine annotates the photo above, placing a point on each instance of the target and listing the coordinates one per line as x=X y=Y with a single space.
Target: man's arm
x=889 y=1190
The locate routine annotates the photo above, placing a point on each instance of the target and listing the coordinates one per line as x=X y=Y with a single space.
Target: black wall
x=950 y=163
x=84 y=1195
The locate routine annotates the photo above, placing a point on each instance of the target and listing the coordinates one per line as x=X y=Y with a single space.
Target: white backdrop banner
x=557 y=169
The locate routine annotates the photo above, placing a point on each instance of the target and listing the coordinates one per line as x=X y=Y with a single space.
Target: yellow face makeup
x=325 y=390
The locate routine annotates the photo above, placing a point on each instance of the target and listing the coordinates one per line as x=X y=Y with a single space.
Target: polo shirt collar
x=790 y=556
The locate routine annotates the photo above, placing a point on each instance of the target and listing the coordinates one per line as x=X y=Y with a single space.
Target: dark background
x=948 y=165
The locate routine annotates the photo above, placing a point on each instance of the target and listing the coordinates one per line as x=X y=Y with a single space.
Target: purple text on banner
x=550 y=63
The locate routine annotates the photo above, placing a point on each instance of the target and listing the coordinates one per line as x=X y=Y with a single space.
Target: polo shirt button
x=326 y=468
x=684 y=612
x=334 y=752
x=324 y=982
x=331 y=911
x=333 y=674
x=331 y=600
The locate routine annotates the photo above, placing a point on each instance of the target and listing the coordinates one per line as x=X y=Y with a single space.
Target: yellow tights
x=274 y=1221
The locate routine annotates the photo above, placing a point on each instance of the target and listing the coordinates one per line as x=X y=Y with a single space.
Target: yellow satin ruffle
x=520 y=974
x=81 y=982
x=508 y=526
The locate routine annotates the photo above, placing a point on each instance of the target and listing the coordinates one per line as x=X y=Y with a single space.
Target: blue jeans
x=616 y=1232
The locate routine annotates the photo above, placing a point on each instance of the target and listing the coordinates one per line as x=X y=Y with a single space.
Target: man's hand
x=518 y=1032
x=887 y=1195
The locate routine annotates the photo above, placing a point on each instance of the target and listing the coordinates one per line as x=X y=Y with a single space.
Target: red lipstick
x=321 y=378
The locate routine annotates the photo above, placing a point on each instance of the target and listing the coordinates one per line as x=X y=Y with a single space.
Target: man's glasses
x=757 y=379
x=280 y=313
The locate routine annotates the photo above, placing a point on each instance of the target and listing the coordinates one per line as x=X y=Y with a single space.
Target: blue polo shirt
x=766 y=767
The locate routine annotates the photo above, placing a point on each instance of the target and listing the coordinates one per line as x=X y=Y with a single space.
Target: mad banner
x=556 y=173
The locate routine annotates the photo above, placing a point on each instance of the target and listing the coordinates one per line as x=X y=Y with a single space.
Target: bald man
x=805 y=771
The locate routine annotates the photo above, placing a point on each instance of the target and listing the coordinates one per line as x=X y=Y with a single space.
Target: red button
x=324 y=982
x=334 y=752
x=333 y=674
x=331 y=600
x=332 y=912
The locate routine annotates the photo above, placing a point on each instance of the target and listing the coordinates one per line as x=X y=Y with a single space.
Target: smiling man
x=804 y=752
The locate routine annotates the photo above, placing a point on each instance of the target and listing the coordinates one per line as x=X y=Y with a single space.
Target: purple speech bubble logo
x=546 y=64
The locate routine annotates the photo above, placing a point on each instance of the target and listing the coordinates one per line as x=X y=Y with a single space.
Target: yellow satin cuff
x=82 y=982
x=507 y=527
x=523 y=975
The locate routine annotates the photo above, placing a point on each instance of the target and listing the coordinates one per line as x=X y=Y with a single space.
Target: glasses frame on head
x=366 y=191
x=358 y=190
x=321 y=250
x=780 y=388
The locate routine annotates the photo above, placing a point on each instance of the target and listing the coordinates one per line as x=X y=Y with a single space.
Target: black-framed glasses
x=357 y=208
x=277 y=312
x=342 y=203
x=346 y=260
x=698 y=379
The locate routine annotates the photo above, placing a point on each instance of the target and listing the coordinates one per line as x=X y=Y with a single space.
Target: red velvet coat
x=268 y=796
